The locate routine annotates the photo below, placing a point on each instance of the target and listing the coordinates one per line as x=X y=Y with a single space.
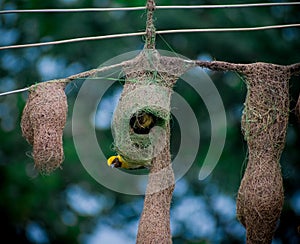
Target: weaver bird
x=119 y=162
x=142 y=122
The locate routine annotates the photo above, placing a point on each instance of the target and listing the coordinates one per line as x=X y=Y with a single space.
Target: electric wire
x=212 y=6
x=258 y=28
x=93 y=38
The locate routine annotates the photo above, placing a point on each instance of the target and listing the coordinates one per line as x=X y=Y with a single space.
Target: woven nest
x=136 y=99
x=148 y=88
x=297 y=110
x=42 y=124
x=264 y=124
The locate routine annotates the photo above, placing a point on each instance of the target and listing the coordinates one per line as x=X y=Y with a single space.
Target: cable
x=245 y=5
x=90 y=38
x=71 y=10
x=242 y=5
x=93 y=38
x=14 y=91
x=268 y=27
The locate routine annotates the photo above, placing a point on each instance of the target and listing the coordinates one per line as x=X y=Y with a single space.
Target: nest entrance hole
x=141 y=122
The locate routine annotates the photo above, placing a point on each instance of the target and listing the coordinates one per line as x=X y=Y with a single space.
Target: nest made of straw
x=138 y=148
x=42 y=124
x=148 y=88
x=297 y=110
x=264 y=124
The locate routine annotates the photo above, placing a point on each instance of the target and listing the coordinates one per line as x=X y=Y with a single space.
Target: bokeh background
x=69 y=206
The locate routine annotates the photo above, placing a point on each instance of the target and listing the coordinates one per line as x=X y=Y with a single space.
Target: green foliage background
x=69 y=206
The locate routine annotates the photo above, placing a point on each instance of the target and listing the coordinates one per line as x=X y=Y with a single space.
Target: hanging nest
x=264 y=124
x=132 y=136
x=143 y=112
x=42 y=124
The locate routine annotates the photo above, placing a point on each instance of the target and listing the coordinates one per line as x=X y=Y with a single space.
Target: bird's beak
x=112 y=165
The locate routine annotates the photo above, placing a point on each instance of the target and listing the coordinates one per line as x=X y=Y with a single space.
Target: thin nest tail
x=42 y=124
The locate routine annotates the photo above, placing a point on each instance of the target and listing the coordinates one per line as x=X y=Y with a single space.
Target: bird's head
x=115 y=162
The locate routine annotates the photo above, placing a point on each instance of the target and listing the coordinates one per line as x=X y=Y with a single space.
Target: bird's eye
x=116 y=163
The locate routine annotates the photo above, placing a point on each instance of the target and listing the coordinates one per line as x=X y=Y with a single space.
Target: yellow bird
x=119 y=162
x=142 y=122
